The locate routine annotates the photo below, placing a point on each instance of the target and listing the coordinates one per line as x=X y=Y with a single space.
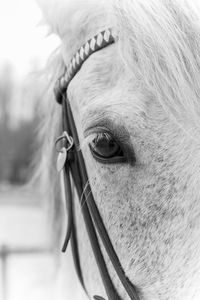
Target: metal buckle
x=63 y=150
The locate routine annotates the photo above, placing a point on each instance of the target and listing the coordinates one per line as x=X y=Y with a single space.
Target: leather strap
x=75 y=166
x=92 y=218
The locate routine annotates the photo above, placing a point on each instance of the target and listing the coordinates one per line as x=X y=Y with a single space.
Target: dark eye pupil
x=105 y=146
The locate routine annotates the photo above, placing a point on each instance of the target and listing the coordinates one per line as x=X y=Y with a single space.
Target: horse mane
x=159 y=43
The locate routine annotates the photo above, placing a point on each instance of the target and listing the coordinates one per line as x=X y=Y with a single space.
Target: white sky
x=22 y=39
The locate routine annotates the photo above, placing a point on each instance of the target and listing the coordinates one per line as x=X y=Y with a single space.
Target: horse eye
x=105 y=149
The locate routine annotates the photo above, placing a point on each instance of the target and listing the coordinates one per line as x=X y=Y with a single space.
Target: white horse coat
x=145 y=90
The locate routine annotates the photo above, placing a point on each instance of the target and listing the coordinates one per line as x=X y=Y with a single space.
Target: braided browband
x=98 y=42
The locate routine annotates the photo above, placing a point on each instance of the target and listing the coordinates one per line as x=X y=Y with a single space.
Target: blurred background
x=27 y=266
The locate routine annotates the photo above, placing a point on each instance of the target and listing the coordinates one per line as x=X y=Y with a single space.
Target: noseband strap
x=73 y=163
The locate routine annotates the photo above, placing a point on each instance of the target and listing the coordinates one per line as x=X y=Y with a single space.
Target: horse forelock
x=161 y=46
x=159 y=43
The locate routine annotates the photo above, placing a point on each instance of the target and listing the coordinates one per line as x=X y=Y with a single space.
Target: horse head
x=129 y=81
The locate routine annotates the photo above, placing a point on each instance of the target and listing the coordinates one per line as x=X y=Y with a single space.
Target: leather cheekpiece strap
x=75 y=166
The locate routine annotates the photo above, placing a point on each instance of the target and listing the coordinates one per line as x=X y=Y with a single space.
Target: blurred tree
x=6 y=92
x=16 y=152
x=16 y=142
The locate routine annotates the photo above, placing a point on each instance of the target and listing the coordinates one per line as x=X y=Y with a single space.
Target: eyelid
x=120 y=135
x=112 y=160
x=100 y=129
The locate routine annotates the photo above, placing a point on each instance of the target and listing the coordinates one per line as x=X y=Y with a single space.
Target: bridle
x=70 y=159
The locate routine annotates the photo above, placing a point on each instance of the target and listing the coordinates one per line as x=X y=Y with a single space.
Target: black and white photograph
x=100 y=149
